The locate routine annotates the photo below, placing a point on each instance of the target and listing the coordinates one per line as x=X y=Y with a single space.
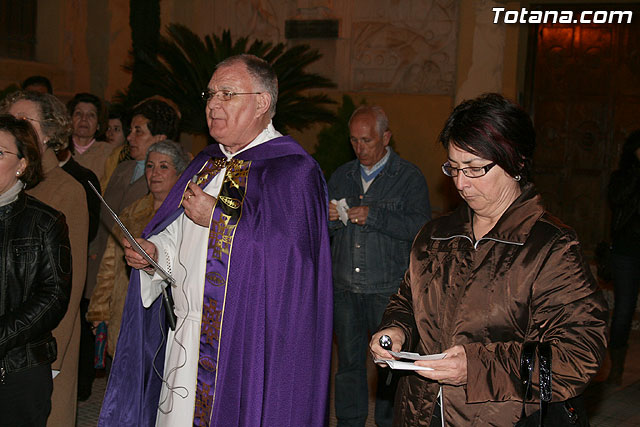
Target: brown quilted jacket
x=524 y=280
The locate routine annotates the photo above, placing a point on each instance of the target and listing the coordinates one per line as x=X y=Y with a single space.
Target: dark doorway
x=584 y=94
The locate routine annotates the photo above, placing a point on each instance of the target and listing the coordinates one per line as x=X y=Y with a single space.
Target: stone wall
x=415 y=58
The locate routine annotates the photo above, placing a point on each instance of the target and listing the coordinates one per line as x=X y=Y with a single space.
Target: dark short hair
x=84 y=97
x=496 y=129
x=28 y=147
x=174 y=150
x=37 y=80
x=262 y=73
x=119 y=112
x=163 y=119
x=628 y=158
x=89 y=98
x=54 y=120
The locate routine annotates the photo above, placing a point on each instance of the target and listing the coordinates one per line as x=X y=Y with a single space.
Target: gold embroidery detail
x=215 y=279
x=209 y=170
x=204 y=401
x=211 y=318
x=208 y=363
x=229 y=201
x=221 y=236
x=237 y=173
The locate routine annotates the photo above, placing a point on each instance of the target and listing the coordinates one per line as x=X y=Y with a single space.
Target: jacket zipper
x=3 y=373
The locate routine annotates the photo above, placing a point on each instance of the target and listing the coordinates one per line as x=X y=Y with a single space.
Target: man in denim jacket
x=378 y=204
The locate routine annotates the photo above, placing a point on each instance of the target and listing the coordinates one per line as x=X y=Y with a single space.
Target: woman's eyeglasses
x=469 y=172
x=4 y=152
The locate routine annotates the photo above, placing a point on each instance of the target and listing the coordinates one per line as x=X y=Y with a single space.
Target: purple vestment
x=275 y=345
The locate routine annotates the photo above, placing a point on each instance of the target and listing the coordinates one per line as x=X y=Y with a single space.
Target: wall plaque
x=311 y=29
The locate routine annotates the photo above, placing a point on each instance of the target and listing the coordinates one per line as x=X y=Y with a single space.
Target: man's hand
x=450 y=370
x=333 y=211
x=358 y=215
x=198 y=205
x=134 y=259
x=397 y=340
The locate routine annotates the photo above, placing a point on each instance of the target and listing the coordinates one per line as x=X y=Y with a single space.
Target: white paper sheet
x=342 y=207
x=416 y=356
x=410 y=366
x=136 y=247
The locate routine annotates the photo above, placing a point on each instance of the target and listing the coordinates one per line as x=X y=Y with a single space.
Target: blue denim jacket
x=373 y=258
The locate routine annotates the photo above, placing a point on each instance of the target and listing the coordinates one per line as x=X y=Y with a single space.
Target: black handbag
x=571 y=412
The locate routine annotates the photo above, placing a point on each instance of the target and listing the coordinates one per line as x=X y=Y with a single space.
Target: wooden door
x=585 y=100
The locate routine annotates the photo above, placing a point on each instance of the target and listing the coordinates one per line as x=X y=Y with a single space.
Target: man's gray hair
x=382 y=122
x=261 y=72
x=176 y=153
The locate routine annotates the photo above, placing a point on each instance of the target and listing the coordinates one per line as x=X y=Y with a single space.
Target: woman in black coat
x=35 y=280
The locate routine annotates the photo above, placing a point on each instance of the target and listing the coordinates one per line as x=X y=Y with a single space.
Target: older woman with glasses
x=497 y=272
x=35 y=283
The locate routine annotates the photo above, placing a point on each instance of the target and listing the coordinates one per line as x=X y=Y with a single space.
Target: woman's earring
x=517 y=178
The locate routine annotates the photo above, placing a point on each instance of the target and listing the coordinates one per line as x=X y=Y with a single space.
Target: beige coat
x=110 y=165
x=107 y=300
x=95 y=157
x=62 y=192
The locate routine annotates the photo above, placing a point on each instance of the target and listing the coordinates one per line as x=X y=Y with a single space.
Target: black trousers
x=86 y=371
x=25 y=397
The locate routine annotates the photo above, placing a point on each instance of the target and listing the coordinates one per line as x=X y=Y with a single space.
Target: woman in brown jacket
x=495 y=273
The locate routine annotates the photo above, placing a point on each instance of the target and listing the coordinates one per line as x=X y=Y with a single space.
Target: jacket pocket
x=25 y=251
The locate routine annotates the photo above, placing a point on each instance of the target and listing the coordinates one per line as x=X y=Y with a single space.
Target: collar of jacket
x=392 y=168
x=49 y=161
x=513 y=226
x=15 y=207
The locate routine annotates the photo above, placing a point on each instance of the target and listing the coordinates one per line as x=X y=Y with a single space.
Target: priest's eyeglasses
x=469 y=172
x=223 y=95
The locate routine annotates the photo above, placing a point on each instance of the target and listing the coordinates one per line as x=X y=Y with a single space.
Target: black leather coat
x=35 y=282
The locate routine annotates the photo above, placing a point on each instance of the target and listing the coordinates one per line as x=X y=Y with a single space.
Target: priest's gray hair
x=261 y=72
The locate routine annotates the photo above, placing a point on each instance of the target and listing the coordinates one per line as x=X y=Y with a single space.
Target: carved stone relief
x=260 y=19
x=401 y=46
x=404 y=46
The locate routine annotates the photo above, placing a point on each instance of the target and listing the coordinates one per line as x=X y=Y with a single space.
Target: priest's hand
x=198 y=205
x=450 y=370
x=134 y=259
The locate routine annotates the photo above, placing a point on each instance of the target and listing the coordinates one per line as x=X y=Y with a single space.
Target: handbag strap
x=544 y=357
x=527 y=365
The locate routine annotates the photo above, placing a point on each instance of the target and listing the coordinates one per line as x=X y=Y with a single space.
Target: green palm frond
x=333 y=148
x=185 y=62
